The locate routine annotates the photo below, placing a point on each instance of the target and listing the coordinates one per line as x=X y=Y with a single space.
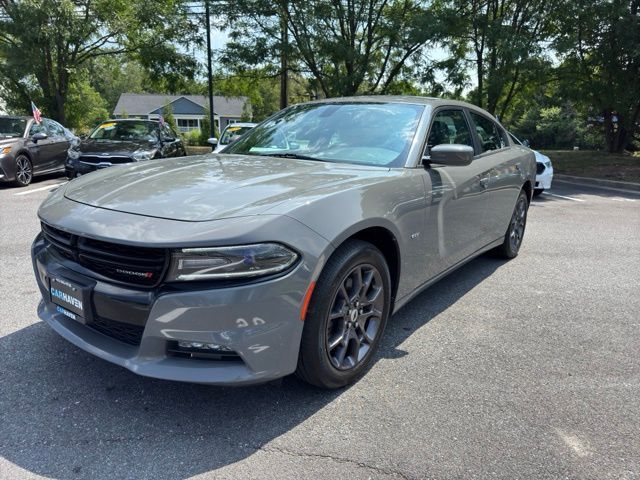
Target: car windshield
x=126 y=132
x=367 y=133
x=233 y=133
x=12 y=127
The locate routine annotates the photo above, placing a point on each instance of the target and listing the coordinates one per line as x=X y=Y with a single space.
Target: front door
x=458 y=195
x=43 y=152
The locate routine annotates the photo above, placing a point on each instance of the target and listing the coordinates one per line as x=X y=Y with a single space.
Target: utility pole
x=212 y=124
x=284 y=52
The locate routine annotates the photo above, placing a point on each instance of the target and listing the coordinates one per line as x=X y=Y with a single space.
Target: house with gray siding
x=188 y=110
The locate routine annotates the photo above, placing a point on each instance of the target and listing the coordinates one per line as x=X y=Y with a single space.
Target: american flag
x=36 y=113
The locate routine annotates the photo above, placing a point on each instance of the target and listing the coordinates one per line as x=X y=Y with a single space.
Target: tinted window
x=37 y=128
x=168 y=133
x=372 y=133
x=491 y=136
x=12 y=127
x=54 y=128
x=449 y=126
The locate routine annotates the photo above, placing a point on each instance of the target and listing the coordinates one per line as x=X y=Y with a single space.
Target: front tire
x=538 y=191
x=24 y=171
x=515 y=233
x=346 y=317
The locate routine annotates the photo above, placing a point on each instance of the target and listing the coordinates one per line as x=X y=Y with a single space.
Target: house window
x=187 y=124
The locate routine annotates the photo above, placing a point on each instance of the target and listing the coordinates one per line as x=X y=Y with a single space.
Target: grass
x=595 y=164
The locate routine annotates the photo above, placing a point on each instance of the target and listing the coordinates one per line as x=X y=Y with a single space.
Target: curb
x=597 y=182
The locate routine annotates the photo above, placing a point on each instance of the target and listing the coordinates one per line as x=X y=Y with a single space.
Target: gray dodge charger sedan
x=289 y=251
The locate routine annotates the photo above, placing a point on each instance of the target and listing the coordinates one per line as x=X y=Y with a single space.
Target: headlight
x=547 y=164
x=220 y=263
x=73 y=153
x=140 y=155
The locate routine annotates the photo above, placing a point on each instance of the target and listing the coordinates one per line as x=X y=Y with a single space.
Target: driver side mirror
x=451 y=155
x=526 y=143
x=39 y=136
x=213 y=141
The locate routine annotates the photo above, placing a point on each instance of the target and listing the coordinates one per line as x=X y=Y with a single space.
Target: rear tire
x=346 y=316
x=24 y=170
x=538 y=191
x=515 y=233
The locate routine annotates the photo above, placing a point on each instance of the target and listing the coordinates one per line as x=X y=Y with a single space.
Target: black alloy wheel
x=515 y=233
x=346 y=317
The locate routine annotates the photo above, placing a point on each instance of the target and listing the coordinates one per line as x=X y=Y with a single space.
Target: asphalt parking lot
x=523 y=369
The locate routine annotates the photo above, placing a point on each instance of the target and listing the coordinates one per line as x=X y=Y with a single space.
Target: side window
x=491 y=136
x=37 y=128
x=53 y=128
x=167 y=132
x=449 y=126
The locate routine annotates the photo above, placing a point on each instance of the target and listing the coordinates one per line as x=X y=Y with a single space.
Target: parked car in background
x=230 y=134
x=290 y=254
x=122 y=141
x=544 y=168
x=28 y=149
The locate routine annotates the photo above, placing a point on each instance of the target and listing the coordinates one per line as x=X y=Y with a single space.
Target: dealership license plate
x=68 y=297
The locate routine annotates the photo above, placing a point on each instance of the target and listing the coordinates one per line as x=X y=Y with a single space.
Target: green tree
x=85 y=107
x=346 y=48
x=503 y=43
x=599 y=44
x=45 y=43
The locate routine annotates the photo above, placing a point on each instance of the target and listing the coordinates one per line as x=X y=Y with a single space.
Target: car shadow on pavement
x=67 y=414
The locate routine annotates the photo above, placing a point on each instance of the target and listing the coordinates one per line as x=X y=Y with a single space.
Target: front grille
x=123 y=263
x=540 y=168
x=125 y=332
x=95 y=159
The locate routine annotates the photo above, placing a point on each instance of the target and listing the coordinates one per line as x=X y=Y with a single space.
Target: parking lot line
x=48 y=187
x=562 y=196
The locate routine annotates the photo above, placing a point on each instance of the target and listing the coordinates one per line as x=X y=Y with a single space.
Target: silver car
x=287 y=253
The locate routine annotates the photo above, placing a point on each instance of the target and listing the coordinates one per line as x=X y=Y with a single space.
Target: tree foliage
x=599 y=41
x=45 y=44
x=346 y=47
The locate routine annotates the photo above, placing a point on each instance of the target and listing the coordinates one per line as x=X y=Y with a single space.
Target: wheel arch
x=384 y=239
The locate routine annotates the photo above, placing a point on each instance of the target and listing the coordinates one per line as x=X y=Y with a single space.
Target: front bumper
x=259 y=322
x=544 y=179
x=75 y=168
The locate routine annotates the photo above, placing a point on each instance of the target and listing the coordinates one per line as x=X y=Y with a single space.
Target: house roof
x=146 y=103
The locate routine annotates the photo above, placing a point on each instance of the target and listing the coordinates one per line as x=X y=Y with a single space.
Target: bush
x=557 y=128
x=191 y=138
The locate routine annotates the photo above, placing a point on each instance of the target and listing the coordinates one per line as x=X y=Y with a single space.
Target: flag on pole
x=37 y=116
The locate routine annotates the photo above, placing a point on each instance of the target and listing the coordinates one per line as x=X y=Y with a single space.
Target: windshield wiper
x=297 y=156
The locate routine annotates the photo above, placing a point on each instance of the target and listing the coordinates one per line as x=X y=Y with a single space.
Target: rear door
x=59 y=143
x=503 y=171
x=458 y=194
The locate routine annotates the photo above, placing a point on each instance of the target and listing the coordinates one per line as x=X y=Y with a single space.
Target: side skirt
x=410 y=296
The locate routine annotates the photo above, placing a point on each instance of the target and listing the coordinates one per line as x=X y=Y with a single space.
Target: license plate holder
x=70 y=298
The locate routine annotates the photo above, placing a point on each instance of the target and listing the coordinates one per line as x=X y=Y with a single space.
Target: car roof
x=409 y=99
x=131 y=120
x=241 y=124
x=18 y=117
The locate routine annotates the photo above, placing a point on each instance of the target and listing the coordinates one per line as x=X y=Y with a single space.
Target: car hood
x=5 y=142
x=115 y=148
x=215 y=186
